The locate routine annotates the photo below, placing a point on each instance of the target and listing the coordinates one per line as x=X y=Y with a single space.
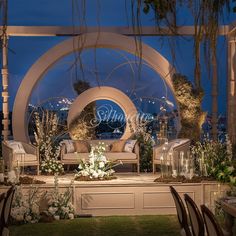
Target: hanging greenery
x=80 y=128
x=140 y=132
x=206 y=16
x=189 y=99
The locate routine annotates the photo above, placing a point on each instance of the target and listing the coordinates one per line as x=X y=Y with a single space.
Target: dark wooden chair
x=2 y=200
x=6 y=211
x=196 y=221
x=212 y=226
x=181 y=213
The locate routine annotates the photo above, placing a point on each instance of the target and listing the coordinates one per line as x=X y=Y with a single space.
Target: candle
x=187 y=165
x=174 y=173
x=200 y=165
x=205 y=170
x=191 y=173
x=181 y=159
x=1 y=177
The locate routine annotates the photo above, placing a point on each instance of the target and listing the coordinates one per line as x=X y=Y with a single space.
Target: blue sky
x=26 y=50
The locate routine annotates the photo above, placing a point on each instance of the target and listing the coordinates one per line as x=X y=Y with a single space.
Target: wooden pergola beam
x=128 y=31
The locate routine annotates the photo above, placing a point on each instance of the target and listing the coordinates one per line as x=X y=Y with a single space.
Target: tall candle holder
x=161 y=159
x=181 y=163
x=170 y=163
x=2 y=169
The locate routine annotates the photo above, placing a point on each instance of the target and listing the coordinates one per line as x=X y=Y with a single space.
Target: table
x=230 y=215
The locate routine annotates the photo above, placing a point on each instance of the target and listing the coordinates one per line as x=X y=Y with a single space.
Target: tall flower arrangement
x=45 y=136
x=46 y=129
x=59 y=204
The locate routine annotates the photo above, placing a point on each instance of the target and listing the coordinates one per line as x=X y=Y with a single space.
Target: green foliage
x=142 y=134
x=161 y=7
x=217 y=157
x=83 y=121
x=191 y=114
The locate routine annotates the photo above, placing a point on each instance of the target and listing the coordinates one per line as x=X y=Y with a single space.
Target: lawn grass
x=103 y=226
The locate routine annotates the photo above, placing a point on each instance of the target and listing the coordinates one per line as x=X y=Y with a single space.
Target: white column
x=5 y=105
x=231 y=90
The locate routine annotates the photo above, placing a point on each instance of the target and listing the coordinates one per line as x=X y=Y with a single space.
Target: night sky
x=59 y=80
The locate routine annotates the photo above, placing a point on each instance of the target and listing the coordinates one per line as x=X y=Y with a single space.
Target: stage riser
x=152 y=199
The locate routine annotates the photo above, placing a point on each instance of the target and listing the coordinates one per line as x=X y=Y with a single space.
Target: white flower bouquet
x=25 y=208
x=52 y=166
x=97 y=167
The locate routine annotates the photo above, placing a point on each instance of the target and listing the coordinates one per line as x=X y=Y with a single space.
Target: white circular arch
x=108 y=93
x=89 y=40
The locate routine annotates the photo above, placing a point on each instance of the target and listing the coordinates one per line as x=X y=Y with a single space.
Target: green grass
x=103 y=226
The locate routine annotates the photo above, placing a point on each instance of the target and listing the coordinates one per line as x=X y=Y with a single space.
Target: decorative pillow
x=129 y=145
x=118 y=146
x=16 y=146
x=81 y=146
x=70 y=148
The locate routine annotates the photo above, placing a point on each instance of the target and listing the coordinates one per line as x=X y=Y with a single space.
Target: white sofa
x=174 y=147
x=126 y=157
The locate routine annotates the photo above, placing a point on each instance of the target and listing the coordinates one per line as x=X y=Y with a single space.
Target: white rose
x=101 y=164
x=71 y=216
x=56 y=217
x=95 y=175
x=19 y=218
x=28 y=218
x=35 y=209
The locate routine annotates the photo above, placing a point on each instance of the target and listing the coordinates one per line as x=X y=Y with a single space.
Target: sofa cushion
x=16 y=146
x=81 y=146
x=111 y=156
x=118 y=146
x=129 y=145
x=76 y=156
x=69 y=144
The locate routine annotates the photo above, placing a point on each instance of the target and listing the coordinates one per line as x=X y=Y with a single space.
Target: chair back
x=212 y=226
x=7 y=206
x=181 y=212
x=196 y=220
x=2 y=200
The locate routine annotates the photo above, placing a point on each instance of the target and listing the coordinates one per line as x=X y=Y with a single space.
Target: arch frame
x=89 y=40
x=104 y=93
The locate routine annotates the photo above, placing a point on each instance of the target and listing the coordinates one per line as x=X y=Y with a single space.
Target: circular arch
x=99 y=93
x=90 y=40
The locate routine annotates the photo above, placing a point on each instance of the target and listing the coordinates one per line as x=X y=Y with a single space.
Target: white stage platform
x=130 y=194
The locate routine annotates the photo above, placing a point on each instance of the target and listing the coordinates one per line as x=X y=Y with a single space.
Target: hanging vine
x=206 y=15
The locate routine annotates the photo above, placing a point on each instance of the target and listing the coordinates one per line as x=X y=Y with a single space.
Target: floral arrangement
x=214 y=158
x=45 y=134
x=59 y=204
x=52 y=166
x=146 y=142
x=26 y=209
x=98 y=167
